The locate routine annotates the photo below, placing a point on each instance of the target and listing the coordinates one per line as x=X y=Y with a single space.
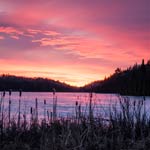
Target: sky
x=73 y=41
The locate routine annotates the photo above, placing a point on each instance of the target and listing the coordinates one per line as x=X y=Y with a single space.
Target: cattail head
x=142 y=102
x=54 y=91
x=44 y=102
x=91 y=95
x=76 y=103
x=9 y=101
x=20 y=92
x=4 y=93
x=51 y=114
x=31 y=110
x=79 y=107
x=10 y=92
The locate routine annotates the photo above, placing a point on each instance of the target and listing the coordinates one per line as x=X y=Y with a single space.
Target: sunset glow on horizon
x=76 y=42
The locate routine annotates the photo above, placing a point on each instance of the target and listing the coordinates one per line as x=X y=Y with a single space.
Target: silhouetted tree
x=148 y=62
x=132 y=81
x=118 y=70
x=32 y=84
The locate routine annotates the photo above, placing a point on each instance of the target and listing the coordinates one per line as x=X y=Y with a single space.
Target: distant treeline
x=134 y=80
x=15 y=83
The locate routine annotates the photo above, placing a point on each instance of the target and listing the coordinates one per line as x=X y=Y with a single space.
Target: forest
x=16 y=83
x=134 y=80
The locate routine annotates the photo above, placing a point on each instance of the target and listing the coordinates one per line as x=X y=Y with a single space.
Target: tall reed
x=36 y=110
x=45 y=110
x=54 y=105
x=19 y=107
x=2 y=114
x=9 y=107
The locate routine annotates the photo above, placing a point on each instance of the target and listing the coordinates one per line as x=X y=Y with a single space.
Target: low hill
x=32 y=84
x=132 y=81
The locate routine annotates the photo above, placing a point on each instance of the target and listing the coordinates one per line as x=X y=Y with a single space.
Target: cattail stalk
x=36 y=110
x=90 y=108
x=51 y=117
x=2 y=114
x=4 y=93
x=76 y=109
x=48 y=115
x=79 y=111
x=20 y=94
x=54 y=105
x=31 y=112
x=9 y=109
x=44 y=110
x=1 y=103
x=24 y=117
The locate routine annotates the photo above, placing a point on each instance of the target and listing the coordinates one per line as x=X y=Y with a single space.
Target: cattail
x=2 y=113
x=54 y=104
x=76 y=103
x=25 y=117
x=48 y=115
x=55 y=112
x=10 y=92
x=44 y=102
x=54 y=91
x=79 y=110
x=51 y=116
x=20 y=92
x=9 y=109
x=45 y=110
x=76 y=109
x=4 y=93
x=144 y=99
x=90 y=107
x=36 y=109
x=31 y=112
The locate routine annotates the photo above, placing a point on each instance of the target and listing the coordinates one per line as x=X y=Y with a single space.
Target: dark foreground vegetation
x=127 y=128
x=132 y=81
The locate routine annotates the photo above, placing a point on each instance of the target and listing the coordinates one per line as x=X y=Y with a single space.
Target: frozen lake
x=65 y=103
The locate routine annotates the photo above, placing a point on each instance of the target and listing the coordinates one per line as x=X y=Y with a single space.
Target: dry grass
x=128 y=128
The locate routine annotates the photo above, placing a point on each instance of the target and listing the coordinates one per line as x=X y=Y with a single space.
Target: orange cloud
x=10 y=30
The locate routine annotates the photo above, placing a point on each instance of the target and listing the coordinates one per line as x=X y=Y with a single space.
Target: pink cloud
x=2 y=38
x=14 y=37
x=45 y=32
x=10 y=30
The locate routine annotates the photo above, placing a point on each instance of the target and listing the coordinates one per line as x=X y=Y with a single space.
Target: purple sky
x=72 y=41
